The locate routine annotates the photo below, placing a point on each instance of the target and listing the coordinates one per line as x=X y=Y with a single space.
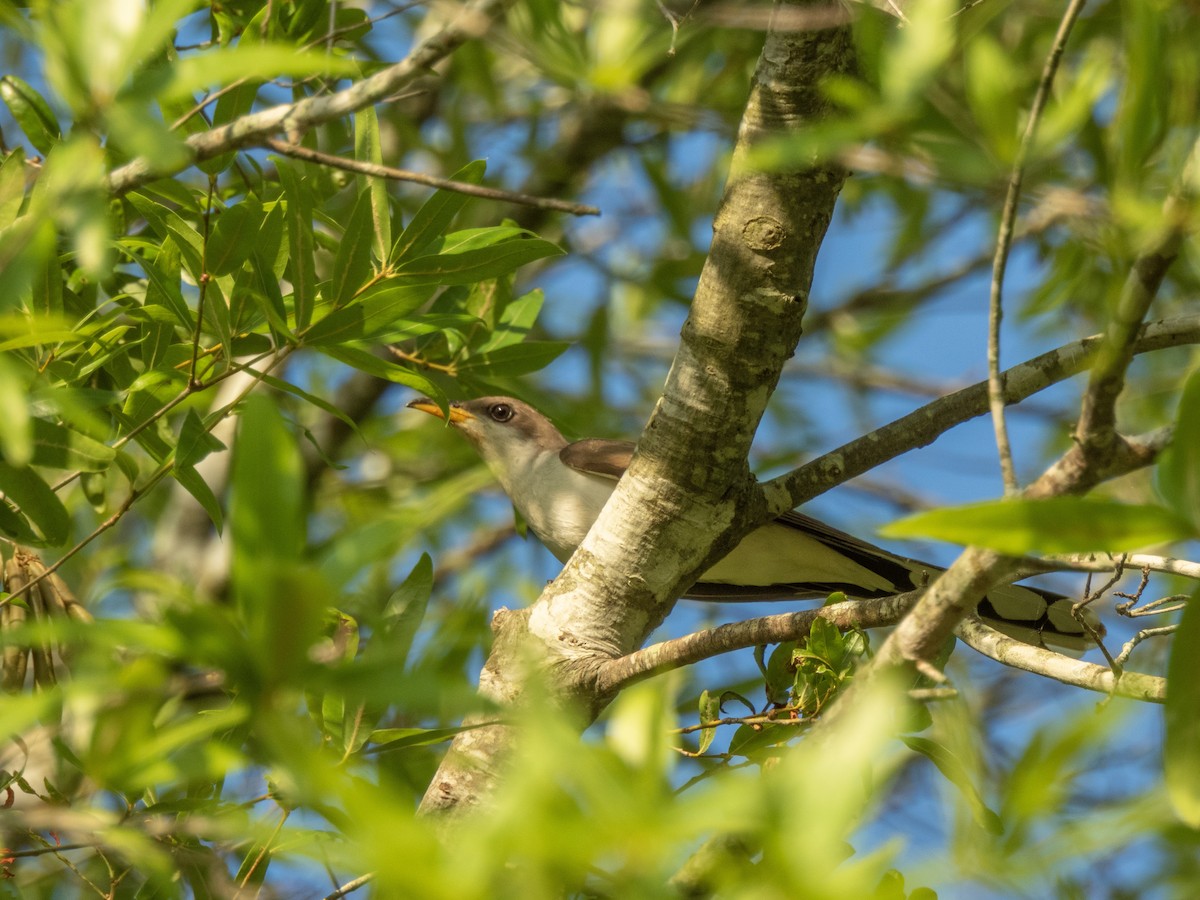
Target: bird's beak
x=458 y=415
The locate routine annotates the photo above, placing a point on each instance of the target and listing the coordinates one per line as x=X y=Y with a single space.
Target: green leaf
x=373 y=313
x=37 y=503
x=406 y=611
x=12 y=186
x=435 y=215
x=953 y=769
x=387 y=740
x=919 y=51
x=16 y=427
x=352 y=264
x=259 y=61
x=1181 y=745
x=373 y=365
x=281 y=597
x=518 y=359
x=1179 y=465
x=1051 y=525
x=31 y=112
x=191 y=481
x=195 y=441
x=300 y=240
x=367 y=148
x=268 y=512
x=233 y=237
x=516 y=322
x=471 y=266
x=59 y=447
x=710 y=711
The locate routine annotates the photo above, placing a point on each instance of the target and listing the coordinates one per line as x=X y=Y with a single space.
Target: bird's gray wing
x=598 y=456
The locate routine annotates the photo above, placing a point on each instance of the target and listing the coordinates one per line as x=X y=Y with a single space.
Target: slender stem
x=1004 y=241
x=297 y=151
x=204 y=279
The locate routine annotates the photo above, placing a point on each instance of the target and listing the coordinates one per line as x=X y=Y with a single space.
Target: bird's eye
x=501 y=412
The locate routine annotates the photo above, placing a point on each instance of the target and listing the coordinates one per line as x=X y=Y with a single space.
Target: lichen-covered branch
x=991 y=643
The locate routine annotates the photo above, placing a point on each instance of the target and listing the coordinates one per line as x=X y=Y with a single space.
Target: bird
x=559 y=488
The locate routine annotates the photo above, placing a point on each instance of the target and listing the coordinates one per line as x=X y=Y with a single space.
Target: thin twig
x=474 y=20
x=350 y=886
x=975 y=633
x=361 y=167
x=1004 y=240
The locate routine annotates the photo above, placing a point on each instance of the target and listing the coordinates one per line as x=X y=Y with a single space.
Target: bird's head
x=508 y=434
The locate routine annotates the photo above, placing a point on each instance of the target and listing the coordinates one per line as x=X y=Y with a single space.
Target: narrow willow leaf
x=954 y=771
x=300 y=241
x=195 y=441
x=31 y=112
x=435 y=215
x=1051 y=525
x=37 y=503
x=373 y=365
x=12 y=186
x=518 y=359
x=1179 y=465
x=377 y=311
x=59 y=447
x=233 y=237
x=1181 y=747
x=16 y=426
x=201 y=493
x=352 y=263
x=406 y=611
x=471 y=266
x=367 y=148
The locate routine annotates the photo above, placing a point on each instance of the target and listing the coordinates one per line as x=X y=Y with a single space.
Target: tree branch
x=1004 y=238
x=991 y=643
x=475 y=19
x=659 y=528
x=620 y=673
x=925 y=424
x=446 y=184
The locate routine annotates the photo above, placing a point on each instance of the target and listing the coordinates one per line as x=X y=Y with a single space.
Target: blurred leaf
x=710 y=711
x=954 y=771
x=260 y=61
x=59 y=447
x=1179 y=464
x=1181 y=747
x=1051 y=525
x=37 y=503
x=12 y=186
x=31 y=112
x=16 y=427
x=281 y=596
x=919 y=50
x=405 y=612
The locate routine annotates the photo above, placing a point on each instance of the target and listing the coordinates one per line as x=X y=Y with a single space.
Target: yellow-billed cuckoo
x=559 y=489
